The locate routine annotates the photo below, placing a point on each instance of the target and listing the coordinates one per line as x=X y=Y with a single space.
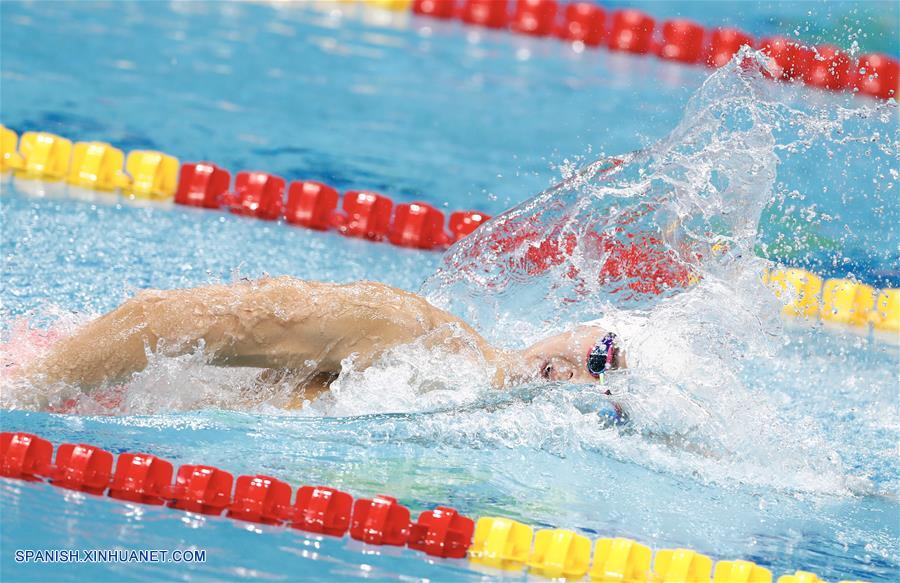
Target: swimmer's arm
x=111 y=348
x=283 y=324
x=327 y=323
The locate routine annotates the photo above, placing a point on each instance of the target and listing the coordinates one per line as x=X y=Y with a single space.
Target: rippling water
x=750 y=438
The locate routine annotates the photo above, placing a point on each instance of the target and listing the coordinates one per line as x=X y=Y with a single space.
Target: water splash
x=663 y=246
x=638 y=228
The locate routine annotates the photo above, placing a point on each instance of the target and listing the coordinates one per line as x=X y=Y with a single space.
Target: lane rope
x=442 y=532
x=155 y=175
x=588 y=25
x=372 y=216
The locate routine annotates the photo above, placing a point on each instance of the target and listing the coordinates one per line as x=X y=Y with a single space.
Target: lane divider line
x=588 y=25
x=155 y=175
x=836 y=301
x=372 y=216
x=443 y=532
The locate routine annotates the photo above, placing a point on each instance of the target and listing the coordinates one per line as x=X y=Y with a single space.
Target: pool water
x=778 y=447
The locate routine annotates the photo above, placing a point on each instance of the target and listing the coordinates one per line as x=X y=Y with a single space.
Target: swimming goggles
x=602 y=356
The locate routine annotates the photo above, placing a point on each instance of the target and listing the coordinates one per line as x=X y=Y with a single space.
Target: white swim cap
x=648 y=342
x=623 y=331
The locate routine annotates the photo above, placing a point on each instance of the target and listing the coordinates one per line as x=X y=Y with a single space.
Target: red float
x=631 y=31
x=311 y=204
x=261 y=499
x=682 y=41
x=552 y=251
x=24 y=456
x=829 y=68
x=641 y=260
x=464 y=222
x=82 y=467
x=876 y=75
x=380 y=521
x=489 y=13
x=434 y=8
x=141 y=477
x=258 y=194
x=583 y=22
x=368 y=215
x=418 y=225
x=201 y=489
x=724 y=43
x=202 y=184
x=442 y=532
x=639 y=263
x=536 y=17
x=323 y=510
x=790 y=60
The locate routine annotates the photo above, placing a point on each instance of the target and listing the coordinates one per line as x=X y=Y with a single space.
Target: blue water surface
x=420 y=110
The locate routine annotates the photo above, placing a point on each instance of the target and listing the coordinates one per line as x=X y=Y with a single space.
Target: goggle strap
x=609 y=341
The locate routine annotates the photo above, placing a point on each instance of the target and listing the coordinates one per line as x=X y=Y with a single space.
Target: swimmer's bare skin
x=286 y=324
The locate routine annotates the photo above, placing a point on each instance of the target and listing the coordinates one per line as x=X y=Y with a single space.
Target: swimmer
x=286 y=325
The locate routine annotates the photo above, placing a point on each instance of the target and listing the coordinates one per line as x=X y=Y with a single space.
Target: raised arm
x=271 y=323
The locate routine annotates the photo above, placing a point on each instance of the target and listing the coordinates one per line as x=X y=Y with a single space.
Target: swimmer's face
x=564 y=357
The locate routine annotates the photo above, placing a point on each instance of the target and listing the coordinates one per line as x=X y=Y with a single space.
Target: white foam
x=699 y=193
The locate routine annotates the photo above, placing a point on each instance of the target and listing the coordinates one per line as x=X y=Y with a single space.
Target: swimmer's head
x=580 y=356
